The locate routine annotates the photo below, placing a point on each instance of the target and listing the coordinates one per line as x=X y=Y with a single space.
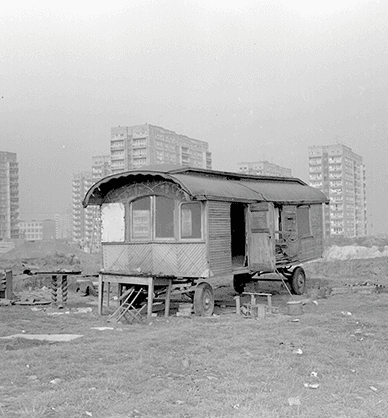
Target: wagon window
x=191 y=225
x=113 y=222
x=303 y=221
x=164 y=217
x=141 y=219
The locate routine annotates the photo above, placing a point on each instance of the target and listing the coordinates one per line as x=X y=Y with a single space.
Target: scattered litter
x=44 y=337
x=101 y=328
x=373 y=388
x=352 y=370
x=314 y=374
x=55 y=381
x=346 y=313
x=92 y=389
x=311 y=385
x=6 y=302
x=179 y=402
x=35 y=309
x=295 y=320
x=315 y=302
x=89 y=414
x=298 y=351
x=294 y=401
x=185 y=363
x=83 y=310
x=236 y=406
x=212 y=378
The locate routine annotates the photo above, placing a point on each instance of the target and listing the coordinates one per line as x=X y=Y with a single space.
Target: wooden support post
x=54 y=290
x=238 y=305
x=269 y=301
x=8 y=284
x=100 y=293
x=64 y=289
x=168 y=297
x=150 y=297
x=107 y=294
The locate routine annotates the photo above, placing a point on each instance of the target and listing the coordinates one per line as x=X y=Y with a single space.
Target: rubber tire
x=239 y=282
x=298 y=281
x=203 y=300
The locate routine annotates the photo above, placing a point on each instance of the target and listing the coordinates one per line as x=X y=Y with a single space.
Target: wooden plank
x=100 y=293
x=150 y=298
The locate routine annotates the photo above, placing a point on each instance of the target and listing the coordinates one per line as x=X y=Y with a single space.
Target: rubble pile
x=49 y=255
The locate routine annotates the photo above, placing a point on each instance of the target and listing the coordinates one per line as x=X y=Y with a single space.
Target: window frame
x=130 y=237
x=152 y=235
x=153 y=216
x=298 y=217
x=180 y=238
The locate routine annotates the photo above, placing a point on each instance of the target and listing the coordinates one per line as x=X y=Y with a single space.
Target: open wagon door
x=261 y=237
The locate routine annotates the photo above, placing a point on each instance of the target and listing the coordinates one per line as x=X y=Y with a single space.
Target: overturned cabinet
x=193 y=226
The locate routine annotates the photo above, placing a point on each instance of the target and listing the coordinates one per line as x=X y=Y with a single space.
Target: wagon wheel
x=203 y=300
x=298 y=281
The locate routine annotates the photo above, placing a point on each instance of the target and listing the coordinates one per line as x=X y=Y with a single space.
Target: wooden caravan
x=194 y=225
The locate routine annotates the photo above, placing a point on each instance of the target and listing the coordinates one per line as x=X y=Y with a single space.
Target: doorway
x=238 y=235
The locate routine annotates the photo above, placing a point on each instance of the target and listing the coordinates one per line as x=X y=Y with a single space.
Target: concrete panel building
x=340 y=174
x=82 y=218
x=9 y=196
x=63 y=224
x=263 y=168
x=132 y=147
x=86 y=222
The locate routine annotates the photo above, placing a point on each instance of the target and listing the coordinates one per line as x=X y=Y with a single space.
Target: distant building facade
x=263 y=168
x=9 y=196
x=82 y=218
x=132 y=147
x=86 y=222
x=100 y=166
x=37 y=230
x=340 y=174
x=63 y=225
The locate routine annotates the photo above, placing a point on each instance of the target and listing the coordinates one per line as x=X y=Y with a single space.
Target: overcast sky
x=260 y=79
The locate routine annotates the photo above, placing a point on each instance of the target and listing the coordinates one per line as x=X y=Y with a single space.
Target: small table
x=121 y=278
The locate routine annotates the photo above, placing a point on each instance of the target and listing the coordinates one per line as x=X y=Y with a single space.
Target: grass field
x=222 y=366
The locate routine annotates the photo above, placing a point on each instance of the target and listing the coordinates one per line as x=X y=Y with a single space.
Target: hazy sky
x=260 y=79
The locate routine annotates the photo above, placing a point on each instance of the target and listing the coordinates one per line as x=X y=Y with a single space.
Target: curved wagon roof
x=201 y=184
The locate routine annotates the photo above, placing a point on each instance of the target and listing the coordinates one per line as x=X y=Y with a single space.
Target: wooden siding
x=166 y=258
x=312 y=247
x=219 y=238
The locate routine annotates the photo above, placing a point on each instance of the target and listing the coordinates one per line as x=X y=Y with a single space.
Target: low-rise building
x=263 y=168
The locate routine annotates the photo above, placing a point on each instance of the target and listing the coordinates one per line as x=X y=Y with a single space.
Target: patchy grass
x=224 y=366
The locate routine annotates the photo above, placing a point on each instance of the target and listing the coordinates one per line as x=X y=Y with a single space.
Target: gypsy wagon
x=182 y=225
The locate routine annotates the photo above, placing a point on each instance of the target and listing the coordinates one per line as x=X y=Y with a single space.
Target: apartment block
x=86 y=223
x=9 y=196
x=340 y=174
x=63 y=225
x=82 y=218
x=132 y=147
x=100 y=166
x=263 y=168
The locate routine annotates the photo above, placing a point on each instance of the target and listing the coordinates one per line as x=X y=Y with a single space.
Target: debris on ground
x=44 y=337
